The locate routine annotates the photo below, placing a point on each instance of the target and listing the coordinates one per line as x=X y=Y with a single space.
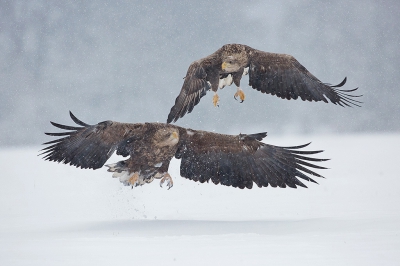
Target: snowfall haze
x=125 y=61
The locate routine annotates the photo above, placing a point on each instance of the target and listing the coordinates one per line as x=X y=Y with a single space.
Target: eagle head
x=230 y=64
x=166 y=137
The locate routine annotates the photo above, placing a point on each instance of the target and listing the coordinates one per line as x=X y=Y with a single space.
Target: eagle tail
x=117 y=168
x=120 y=171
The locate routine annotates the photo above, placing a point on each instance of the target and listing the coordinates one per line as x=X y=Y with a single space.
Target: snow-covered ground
x=53 y=214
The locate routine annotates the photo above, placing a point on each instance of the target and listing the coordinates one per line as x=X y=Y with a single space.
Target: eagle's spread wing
x=90 y=146
x=239 y=161
x=282 y=75
x=194 y=87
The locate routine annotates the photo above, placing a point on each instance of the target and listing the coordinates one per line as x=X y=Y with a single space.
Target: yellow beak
x=224 y=65
x=175 y=135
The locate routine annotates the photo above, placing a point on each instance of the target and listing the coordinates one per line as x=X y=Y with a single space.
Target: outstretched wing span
x=239 y=161
x=88 y=146
x=282 y=75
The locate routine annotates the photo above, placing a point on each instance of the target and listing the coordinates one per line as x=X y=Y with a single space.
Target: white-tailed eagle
x=237 y=161
x=277 y=74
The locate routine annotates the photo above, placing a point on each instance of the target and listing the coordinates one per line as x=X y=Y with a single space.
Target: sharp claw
x=241 y=95
x=169 y=181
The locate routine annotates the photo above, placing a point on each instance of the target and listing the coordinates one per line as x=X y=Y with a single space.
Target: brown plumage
x=277 y=74
x=237 y=161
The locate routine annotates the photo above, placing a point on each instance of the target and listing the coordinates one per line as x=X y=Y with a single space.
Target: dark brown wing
x=90 y=146
x=282 y=75
x=239 y=161
x=197 y=82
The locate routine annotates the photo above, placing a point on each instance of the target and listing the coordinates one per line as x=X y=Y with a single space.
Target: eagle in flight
x=237 y=161
x=278 y=74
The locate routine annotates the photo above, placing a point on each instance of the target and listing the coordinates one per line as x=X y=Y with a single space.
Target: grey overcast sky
x=125 y=60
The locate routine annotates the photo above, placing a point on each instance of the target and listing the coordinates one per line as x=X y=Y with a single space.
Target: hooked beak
x=175 y=135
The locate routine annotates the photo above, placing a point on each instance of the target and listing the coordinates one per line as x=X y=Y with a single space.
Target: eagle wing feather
x=282 y=75
x=240 y=160
x=237 y=161
x=193 y=89
x=89 y=146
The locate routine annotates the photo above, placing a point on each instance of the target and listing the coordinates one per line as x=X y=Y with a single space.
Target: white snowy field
x=53 y=214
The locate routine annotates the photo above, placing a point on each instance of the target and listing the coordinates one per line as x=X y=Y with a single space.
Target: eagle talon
x=216 y=100
x=239 y=93
x=134 y=179
x=167 y=178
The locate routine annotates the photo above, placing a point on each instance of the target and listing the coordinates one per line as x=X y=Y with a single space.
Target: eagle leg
x=216 y=100
x=239 y=93
x=168 y=178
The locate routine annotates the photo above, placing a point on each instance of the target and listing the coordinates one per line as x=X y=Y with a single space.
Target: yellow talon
x=134 y=179
x=216 y=100
x=241 y=95
x=168 y=178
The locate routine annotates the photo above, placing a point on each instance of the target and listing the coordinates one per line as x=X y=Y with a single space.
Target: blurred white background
x=125 y=60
